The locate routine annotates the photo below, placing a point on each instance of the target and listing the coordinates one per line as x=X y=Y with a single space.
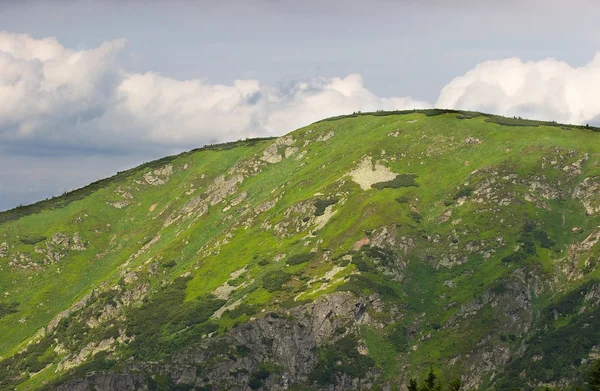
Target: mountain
x=354 y=253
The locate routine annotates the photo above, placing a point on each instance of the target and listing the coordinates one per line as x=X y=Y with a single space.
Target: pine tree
x=594 y=377
x=412 y=385
x=455 y=385
x=430 y=382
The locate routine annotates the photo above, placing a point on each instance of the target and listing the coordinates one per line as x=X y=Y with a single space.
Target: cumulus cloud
x=55 y=96
x=52 y=94
x=548 y=89
x=45 y=87
x=173 y=111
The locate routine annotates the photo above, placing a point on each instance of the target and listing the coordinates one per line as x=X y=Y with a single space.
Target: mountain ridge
x=438 y=237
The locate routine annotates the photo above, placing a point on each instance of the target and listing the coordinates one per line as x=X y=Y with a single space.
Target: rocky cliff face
x=274 y=352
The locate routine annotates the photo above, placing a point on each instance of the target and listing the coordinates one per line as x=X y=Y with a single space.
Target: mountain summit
x=354 y=253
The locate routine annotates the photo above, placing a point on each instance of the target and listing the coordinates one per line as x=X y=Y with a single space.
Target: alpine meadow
x=392 y=250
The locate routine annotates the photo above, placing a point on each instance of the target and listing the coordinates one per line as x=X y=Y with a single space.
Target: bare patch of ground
x=368 y=174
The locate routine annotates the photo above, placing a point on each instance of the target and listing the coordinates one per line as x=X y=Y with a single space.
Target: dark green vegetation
x=321 y=205
x=590 y=381
x=432 y=383
x=8 y=308
x=340 y=358
x=402 y=180
x=250 y=264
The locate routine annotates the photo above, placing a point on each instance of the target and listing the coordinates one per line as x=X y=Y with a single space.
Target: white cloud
x=43 y=85
x=54 y=94
x=174 y=111
x=548 y=89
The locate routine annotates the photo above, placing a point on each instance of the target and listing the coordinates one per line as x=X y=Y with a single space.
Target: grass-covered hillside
x=355 y=253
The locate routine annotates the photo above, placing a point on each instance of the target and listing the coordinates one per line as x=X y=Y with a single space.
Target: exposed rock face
x=273 y=154
x=3 y=250
x=77 y=306
x=288 y=340
x=587 y=192
x=159 y=176
x=326 y=136
x=221 y=188
x=472 y=141
x=118 y=204
x=108 y=382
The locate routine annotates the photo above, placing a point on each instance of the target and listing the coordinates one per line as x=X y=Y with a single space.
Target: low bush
x=341 y=358
x=8 y=308
x=322 y=204
x=273 y=280
x=464 y=192
x=398 y=337
x=402 y=199
x=401 y=180
x=415 y=216
x=300 y=258
x=31 y=240
x=243 y=309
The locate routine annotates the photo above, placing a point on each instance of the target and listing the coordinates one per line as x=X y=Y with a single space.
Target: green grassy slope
x=492 y=223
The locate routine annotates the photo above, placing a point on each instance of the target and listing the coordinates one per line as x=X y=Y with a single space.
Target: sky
x=89 y=88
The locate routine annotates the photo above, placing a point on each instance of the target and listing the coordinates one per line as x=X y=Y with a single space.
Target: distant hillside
x=354 y=253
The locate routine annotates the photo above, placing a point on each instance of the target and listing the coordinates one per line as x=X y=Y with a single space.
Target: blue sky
x=92 y=87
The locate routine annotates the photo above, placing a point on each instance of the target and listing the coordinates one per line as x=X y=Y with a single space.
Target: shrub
x=542 y=238
x=415 y=216
x=402 y=199
x=32 y=239
x=341 y=358
x=464 y=192
x=237 y=281
x=169 y=264
x=8 y=308
x=273 y=280
x=529 y=235
x=384 y=256
x=243 y=309
x=166 y=322
x=300 y=258
x=398 y=337
x=401 y=180
x=321 y=205
x=243 y=350
x=361 y=285
x=362 y=265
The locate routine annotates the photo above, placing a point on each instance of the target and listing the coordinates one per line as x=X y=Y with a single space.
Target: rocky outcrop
x=587 y=193
x=277 y=151
x=75 y=307
x=287 y=341
x=108 y=382
x=159 y=176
